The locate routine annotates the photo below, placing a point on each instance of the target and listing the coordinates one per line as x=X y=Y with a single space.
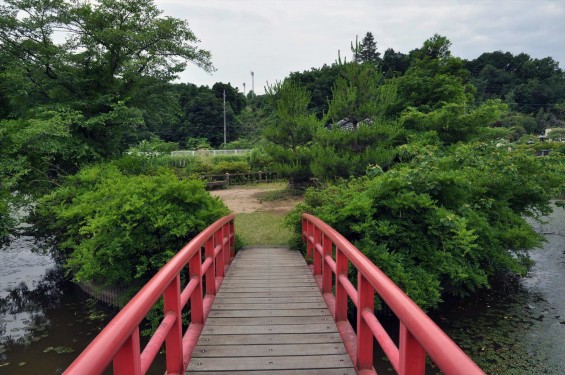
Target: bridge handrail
x=119 y=340
x=419 y=335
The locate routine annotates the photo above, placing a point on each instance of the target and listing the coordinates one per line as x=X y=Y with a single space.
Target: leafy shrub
x=259 y=159
x=114 y=228
x=230 y=167
x=198 y=144
x=444 y=222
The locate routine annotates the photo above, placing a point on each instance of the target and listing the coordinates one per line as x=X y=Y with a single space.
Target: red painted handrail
x=119 y=340
x=419 y=335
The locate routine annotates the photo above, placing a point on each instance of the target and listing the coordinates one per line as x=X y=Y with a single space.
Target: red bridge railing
x=332 y=255
x=119 y=341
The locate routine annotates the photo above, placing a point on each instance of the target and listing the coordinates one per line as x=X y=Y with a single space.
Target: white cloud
x=274 y=38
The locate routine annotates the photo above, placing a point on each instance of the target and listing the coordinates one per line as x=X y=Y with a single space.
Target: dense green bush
x=259 y=159
x=446 y=221
x=111 y=227
x=230 y=167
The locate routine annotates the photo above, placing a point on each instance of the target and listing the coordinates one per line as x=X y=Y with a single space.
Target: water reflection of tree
x=30 y=304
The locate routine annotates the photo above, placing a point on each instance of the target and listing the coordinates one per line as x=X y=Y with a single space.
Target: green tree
x=319 y=83
x=454 y=122
x=291 y=133
x=394 y=63
x=236 y=100
x=356 y=95
x=114 y=52
x=368 y=50
x=360 y=134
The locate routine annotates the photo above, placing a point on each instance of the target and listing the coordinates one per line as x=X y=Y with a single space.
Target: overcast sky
x=273 y=38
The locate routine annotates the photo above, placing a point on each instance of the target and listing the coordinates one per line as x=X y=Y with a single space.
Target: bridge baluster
x=196 y=299
x=412 y=354
x=317 y=256
x=366 y=296
x=210 y=277
x=327 y=272
x=127 y=359
x=219 y=242
x=342 y=267
x=173 y=341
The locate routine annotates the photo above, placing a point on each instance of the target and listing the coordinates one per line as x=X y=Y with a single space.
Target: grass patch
x=262 y=229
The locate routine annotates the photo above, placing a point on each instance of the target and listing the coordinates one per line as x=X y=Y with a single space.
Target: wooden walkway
x=269 y=318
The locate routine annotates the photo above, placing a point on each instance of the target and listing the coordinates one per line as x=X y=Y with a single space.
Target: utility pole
x=224 y=116
x=244 y=88
x=253 y=83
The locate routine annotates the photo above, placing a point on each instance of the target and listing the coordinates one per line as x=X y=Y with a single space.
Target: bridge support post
x=173 y=341
x=342 y=267
x=210 y=272
x=196 y=299
x=326 y=269
x=127 y=360
x=317 y=257
x=364 y=334
x=219 y=241
x=232 y=240
x=412 y=355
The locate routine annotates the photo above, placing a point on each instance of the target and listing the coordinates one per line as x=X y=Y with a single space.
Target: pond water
x=44 y=320
x=518 y=328
x=515 y=329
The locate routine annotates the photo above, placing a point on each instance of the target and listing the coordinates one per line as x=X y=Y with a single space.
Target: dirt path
x=248 y=199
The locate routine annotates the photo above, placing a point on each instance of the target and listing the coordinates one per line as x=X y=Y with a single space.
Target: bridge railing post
x=309 y=245
x=219 y=241
x=366 y=301
x=210 y=272
x=327 y=272
x=232 y=239
x=173 y=341
x=197 y=297
x=412 y=354
x=127 y=361
x=317 y=257
x=227 y=246
x=342 y=268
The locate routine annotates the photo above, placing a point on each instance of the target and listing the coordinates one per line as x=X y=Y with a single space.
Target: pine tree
x=368 y=50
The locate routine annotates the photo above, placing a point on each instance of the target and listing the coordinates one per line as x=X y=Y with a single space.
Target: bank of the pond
x=516 y=329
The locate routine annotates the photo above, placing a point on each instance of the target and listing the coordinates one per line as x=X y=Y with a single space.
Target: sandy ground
x=245 y=200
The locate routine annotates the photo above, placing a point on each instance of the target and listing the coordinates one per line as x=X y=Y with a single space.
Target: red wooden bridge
x=273 y=314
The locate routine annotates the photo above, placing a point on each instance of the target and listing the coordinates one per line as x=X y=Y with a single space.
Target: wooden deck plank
x=283 y=282
x=223 y=307
x=269 y=320
x=294 y=313
x=270 y=363
x=270 y=339
x=269 y=317
x=258 y=330
x=227 y=299
x=267 y=350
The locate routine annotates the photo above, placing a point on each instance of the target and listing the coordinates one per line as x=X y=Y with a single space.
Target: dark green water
x=516 y=329
x=519 y=328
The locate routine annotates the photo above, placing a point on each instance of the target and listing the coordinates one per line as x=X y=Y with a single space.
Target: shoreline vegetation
x=427 y=162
